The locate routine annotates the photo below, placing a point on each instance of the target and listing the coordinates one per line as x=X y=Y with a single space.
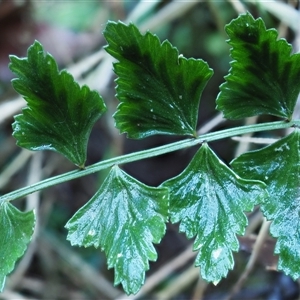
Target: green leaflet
x=158 y=89
x=60 y=114
x=124 y=218
x=15 y=234
x=264 y=76
x=208 y=199
x=278 y=165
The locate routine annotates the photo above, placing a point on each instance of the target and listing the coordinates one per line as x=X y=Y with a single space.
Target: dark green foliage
x=278 y=165
x=60 y=114
x=264 y=75
x=16 y=232
x=159 y=93
x=124 y=218
x=208 y=199
x=159 y=90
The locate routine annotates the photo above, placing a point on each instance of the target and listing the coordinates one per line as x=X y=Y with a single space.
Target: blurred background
x=72 y=32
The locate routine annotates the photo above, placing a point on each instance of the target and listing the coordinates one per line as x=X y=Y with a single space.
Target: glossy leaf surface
x=264 y=76
x=60 y=114
x=209 y=200
x=278 y=165
x=16 y=231
x=158 y=89
x=124 y=218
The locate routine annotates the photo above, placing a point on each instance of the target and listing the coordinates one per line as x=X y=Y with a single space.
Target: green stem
x=209 y=137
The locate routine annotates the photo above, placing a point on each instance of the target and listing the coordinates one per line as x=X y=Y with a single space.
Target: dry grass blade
x=253 y=258
x=76 y=266
x=238 y=6
x=10 y=108
x=164 y=272
x=180 y=283
x=284 y=12
x=32 y=203
x=18 y=162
